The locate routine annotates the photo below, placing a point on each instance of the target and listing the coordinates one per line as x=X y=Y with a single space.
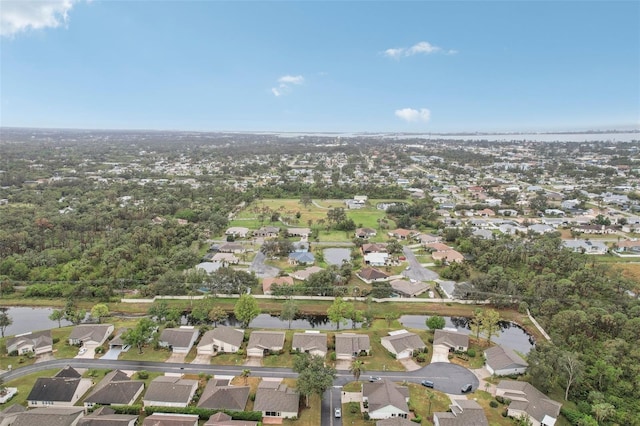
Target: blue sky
x=345 y=66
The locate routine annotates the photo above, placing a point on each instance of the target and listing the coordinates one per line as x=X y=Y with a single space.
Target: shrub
x=417 y=419
x=471 y=353
x=365 y=415
x=504 y=413
x=13 y=353
x=421 y=358
x=354 y=407
x=332 y=357
x=143 y=374
x=56 y=340
x=500 y=399
x=493 y=404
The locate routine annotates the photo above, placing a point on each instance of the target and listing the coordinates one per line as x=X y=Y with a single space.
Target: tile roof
x=408 y=288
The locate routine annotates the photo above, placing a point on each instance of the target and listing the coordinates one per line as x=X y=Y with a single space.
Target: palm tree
x=245 y=375
x=357 y=368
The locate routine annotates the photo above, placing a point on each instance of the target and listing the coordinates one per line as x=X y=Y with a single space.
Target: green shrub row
x=205 y=413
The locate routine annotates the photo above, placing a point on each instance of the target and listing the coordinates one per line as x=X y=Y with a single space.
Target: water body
x=31 y=319
x=335 y=256
x=511 y=335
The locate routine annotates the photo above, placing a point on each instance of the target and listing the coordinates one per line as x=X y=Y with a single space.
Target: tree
x=572 y=368
x=5 y=321
x=357 y=368
x=245 y=375
x=490 y=323
x=313 y=375
x=289 y=311
x=435 y=322
x=394 y=246
x=246 y=310
x=339 y=311
x=217 y=314
x=391 y=317
x=140 y=334
x=57 y=315
x=603 y=411
x=476 y=323
x=99 y=311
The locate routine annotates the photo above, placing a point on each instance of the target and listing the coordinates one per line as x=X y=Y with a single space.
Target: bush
x=417 y=419
x=143 y=374
x=332 y=357
x=421 y=358
x=493 y=404
x=56 y=340
x=471 y=353
x=504 y=413
x=13 y=353
x=500 y=399
x=354 y=407
x=574 y=416
x=365 y=415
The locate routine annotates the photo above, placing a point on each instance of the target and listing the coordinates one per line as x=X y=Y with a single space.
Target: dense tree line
x=588 y=309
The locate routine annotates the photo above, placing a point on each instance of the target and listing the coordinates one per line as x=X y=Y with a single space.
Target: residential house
x=303 y=274
x=105 y=416
x=365 y=233
x=376 y=259
x=463 y=412
x=301 y=258
x=351 y=345
x=428 y=239
x=275 y=399
x=401 y=234
x=170 y=391
x=117 y=341
x=265 y=341
x=62 y=390
x=384 y=399
x=311 y=342
x=167 y=419
x=402 y=343
x=38 y=342
x=9 y=414
x=268 y=283
x=90 y=334
x=267 y=232
x=218 y=394
x=586 y=246
x=221 y=339
x=299 y=232
x=116 y=388
x=539 y=228
x=454 y=340
x=528 y=401
x=404 y=288
x=628 y=247
x=179 y=340
x=231 y=248
x=237 y=232
x=448 y=256
x=225 y=258
x=595 y=229
x=437 y=247
x=486 y=213
x=501 y=361
x=484 y=234
x=50 y=416
x=370 y=275
x=222 y=419
x=374 y=248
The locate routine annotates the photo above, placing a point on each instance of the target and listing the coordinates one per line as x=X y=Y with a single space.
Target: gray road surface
x=417 y=271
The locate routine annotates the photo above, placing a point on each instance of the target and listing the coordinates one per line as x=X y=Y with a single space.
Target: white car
x=82 y=351
x=338 y=413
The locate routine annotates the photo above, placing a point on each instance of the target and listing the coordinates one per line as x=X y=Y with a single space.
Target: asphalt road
x=262 y=271
x=448 y=378
x=417 y=271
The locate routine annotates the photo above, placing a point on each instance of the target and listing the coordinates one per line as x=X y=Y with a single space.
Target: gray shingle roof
x=499 y=358
x=222 y=419
x=383 y=393
x=266 y=339
x=275 y=396
x=408 y=288
x=38 y=339
x=450 y=338
x=310 y=341
x=350 y=343
x=170 y=389
x=527 y=398
x=464 y=412
x=403 y=341
x=50 y=416
x=57 y=389
x=90 y=332
x=217 y=394
x=163 y=419
x=224 y=334
x=178 y=337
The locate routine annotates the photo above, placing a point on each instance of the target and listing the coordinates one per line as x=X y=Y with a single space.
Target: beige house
x=179 y=340
x=402 y=343
x=503 y=361
x=269 y=282
x=451 y=339
x=350 y=345
x=311 y=342
x=276 y=399
x=220 y=339
x=169 y=391
x=265 y=341
x=404 y=288
x=385 y=399
x=528 y=401
x=39 y=342
x=90 y=334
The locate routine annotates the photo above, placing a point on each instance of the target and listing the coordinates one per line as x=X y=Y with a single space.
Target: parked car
x=338 y=413
x=427 y=383
x=82 y=351
x=374 y=379
x=467 y=388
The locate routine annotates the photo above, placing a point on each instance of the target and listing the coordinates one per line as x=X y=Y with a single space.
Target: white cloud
x=286 y=81
x=421 y=48
x=413 y=115
x=18 y=16
x=291 y=79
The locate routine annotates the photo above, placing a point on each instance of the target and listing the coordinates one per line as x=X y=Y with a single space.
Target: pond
x=30 y=319
x=319 y=322
x=335 y=256
x=511 y=335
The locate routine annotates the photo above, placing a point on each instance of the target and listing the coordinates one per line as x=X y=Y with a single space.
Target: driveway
x=448 y=378
x=262 y=271
x=253 y=361
x=112 y=353
x=440 y=353
x=177 y=358
x=202 y=359
x=417 y=271
x=90 y=352
x=409 y=364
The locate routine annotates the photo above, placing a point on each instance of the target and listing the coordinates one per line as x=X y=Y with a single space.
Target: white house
x=385 y=399
x=179 y=340
x=504 y=361
x=311 y=341
x=528 y=401
x=402 y=343
x=265 y=341
x=220 y=339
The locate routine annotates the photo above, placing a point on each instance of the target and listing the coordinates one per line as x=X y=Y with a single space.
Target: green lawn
x=24 y=385
x=148 y=354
